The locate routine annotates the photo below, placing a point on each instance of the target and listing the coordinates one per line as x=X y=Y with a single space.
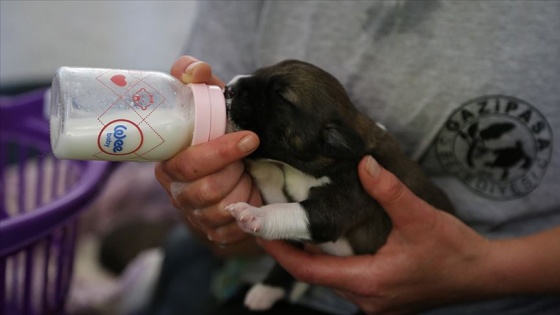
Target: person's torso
x=470 y=90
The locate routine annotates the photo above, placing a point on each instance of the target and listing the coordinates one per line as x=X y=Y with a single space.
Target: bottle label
x=120 y=137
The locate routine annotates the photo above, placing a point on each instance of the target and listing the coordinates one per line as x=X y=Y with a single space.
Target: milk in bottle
x=119 y=115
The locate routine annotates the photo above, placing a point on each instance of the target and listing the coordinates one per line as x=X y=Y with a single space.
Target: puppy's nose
x=229 y=92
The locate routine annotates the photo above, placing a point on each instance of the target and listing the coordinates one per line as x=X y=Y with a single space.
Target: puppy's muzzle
x=229 y=92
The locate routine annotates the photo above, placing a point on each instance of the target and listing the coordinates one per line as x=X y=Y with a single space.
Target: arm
x=527 y=265
x=201 y=180
x=430 y=258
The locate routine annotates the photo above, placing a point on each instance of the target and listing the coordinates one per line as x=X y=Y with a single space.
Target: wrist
x=522 y=266
x=481 y=276
x=495 y=270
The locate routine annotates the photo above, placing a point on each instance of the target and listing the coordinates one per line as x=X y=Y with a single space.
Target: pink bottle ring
x=209 y=113
x=218 y=120
x=202 y=113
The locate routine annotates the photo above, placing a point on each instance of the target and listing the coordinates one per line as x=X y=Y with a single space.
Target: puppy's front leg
x=274 y=221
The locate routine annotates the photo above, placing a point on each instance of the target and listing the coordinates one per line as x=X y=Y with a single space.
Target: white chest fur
x=282 y=188
x=280 y=182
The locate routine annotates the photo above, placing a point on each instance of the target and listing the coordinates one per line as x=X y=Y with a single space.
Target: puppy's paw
x=261 y=297
x=276 y=221
x=249 y=218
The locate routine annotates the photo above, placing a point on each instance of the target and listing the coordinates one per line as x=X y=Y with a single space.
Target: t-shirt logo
x=499 y=146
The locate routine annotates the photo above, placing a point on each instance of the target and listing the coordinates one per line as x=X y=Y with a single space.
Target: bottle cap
x=210 y=113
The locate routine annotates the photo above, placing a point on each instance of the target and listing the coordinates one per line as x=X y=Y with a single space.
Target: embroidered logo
x=499 y=146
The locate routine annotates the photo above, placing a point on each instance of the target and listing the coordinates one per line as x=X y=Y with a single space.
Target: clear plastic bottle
x=126 y=115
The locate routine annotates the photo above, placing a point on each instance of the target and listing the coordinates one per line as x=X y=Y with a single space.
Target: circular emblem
x=499 y=146
x=120 y=137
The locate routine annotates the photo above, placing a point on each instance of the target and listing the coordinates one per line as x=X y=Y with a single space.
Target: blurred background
x=37 y=37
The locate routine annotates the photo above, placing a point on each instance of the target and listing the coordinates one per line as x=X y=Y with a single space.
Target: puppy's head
x=301 y=114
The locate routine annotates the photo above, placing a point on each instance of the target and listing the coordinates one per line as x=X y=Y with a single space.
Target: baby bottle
x=125 y=115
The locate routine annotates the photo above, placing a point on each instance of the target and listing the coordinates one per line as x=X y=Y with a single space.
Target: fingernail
x=188 y=74
x=372 y=167
x=248 y=143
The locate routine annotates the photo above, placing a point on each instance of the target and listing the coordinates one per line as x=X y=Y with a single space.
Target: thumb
x=191 y=70
x=319 y=269
x=400 y=203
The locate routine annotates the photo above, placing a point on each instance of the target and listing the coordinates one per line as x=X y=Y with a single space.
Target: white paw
x=261 y=297
x=272 y=222
x=249 y=218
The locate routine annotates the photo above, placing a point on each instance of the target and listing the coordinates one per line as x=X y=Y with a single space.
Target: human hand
x=203 y=179
x=191 y=70
x=430 y=258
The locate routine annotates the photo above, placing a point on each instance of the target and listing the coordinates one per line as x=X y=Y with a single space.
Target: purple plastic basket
x=41 y=199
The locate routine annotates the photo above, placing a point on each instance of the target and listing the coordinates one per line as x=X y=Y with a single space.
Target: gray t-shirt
x=469 y=88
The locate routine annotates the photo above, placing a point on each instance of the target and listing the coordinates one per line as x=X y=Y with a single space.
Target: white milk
x=88 y=139
x=125 y=115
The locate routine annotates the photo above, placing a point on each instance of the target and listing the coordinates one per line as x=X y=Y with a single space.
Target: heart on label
x=119 y=79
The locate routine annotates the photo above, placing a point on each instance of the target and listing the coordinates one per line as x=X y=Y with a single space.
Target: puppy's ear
x=339 y=141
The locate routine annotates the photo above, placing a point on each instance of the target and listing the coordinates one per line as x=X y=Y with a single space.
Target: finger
x=332 y=271
x=400 y=203
x=244 y=191
x=163 y=178
x=191 y=70
x=225 y=235
x=206 y=158
x=246 y=247
x=210 y=189
x=223 y=226
x=255 y=197
x=228 y=234
x=214 y=215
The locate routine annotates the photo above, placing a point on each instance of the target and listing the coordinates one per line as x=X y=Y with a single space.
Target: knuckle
x=199 y=216
x=207 y=191
x=200 y=194
x=194 y=222
x=212 y=217
x=226 y=235
x=213 y=189
x=186 y=199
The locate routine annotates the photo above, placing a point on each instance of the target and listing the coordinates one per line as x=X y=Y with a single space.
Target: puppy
x=312 y=139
